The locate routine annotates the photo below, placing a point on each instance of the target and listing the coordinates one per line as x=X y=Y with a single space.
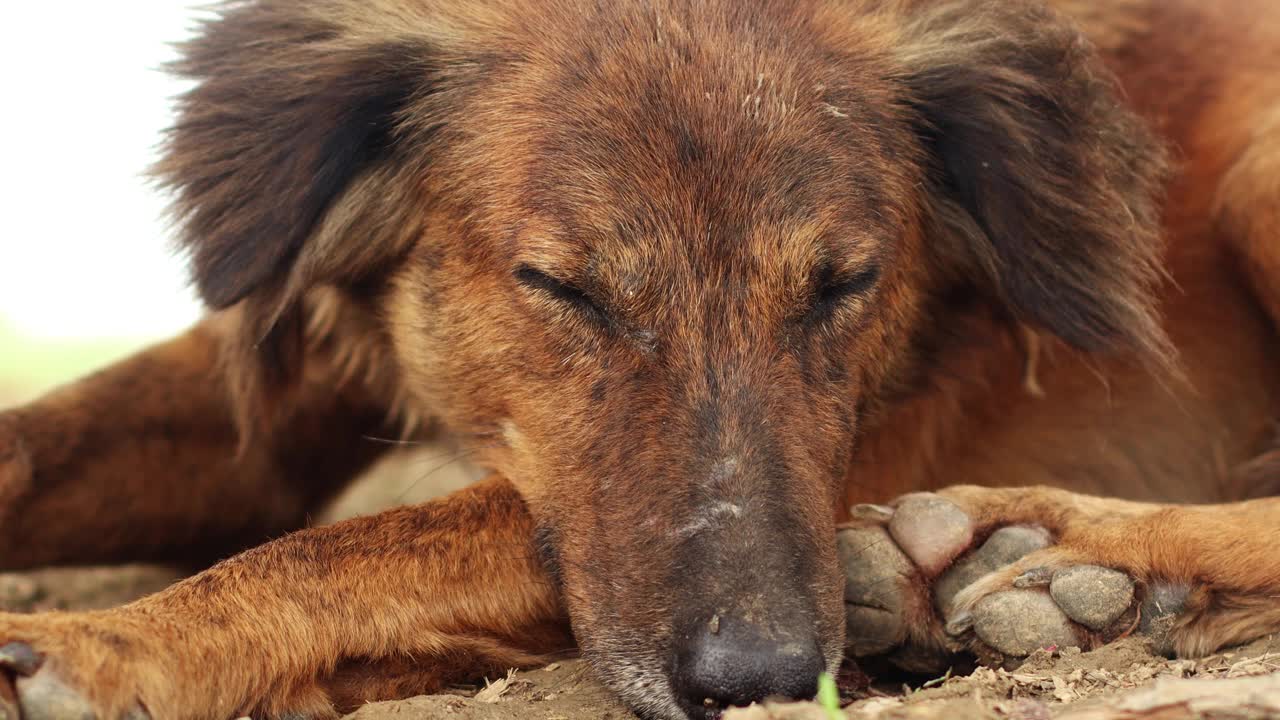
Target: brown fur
x=690 y=277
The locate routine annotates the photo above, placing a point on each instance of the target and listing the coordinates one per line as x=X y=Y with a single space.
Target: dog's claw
x=871 y=512
x=20 y=658
x=1035 y=577
x=960 y=624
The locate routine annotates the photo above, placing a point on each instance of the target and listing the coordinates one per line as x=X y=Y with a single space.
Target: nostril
x=732 y=663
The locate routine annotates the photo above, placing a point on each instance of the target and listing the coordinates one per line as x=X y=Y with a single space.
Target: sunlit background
x=87 y=271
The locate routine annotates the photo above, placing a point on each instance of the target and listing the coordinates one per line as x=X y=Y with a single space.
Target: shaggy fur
x=690 y=277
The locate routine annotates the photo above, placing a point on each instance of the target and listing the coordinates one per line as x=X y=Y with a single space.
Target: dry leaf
x=494 y=691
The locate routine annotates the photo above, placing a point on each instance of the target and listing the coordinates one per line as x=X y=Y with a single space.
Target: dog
x=789 y=332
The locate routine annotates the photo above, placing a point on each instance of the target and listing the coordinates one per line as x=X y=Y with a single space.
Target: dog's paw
x=69 y=667
x=137 y=663
x=939 y=573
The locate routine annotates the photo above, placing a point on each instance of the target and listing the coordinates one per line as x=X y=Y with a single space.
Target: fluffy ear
x=1044 y=181
x=291 y=108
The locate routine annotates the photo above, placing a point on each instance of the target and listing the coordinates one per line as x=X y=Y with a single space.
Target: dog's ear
x=1040 y=177
x=291 y=111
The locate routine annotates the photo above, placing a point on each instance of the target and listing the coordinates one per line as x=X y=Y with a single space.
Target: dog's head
x=659 y=261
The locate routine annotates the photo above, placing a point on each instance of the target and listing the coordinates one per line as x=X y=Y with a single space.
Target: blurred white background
x=87 y=269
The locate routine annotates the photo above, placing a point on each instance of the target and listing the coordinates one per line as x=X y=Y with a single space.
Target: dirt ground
x=1119 y=682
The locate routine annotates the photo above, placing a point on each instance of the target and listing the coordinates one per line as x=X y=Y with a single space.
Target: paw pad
x=1093 y=596
x=1019 y=622
x=930 y=529
x=874 y=571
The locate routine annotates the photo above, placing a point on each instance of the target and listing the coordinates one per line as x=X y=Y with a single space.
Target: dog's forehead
x=678 y=134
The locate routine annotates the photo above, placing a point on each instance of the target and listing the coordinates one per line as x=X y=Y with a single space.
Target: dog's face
x=656 y=261
x=684 y=296
x=687 y=281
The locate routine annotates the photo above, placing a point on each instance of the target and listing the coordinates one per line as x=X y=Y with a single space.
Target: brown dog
x=691 y=277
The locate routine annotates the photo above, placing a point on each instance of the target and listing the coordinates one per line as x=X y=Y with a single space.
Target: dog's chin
x=639 y=680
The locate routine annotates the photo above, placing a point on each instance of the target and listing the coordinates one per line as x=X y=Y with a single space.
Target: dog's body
x=1145 y=439
x=692 y=278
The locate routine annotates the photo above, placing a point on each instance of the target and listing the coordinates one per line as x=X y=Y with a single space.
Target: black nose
x=726 y=662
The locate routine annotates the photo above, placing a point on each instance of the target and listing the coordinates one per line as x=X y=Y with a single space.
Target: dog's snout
x=727 y=662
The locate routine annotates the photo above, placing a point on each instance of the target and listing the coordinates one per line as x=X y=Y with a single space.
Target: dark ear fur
x=294 y=167
x=1048 y=184
x=287 y=111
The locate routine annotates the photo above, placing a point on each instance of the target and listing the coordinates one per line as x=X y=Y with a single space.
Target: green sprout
x=829 y=696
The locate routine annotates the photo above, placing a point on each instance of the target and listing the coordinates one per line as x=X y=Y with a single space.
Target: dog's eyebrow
x=828 y=280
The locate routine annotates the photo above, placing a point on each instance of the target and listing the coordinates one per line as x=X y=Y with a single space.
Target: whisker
x=389 y=441
x=452 y=458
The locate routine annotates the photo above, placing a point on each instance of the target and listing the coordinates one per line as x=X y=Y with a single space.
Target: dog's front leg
x=142 y=461
x=437 y=592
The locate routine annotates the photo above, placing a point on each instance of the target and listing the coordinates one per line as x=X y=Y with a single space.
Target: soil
x=1123 y=681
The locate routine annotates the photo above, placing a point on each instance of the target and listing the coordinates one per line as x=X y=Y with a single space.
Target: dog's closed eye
x=563 y=292
x=832 y=290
